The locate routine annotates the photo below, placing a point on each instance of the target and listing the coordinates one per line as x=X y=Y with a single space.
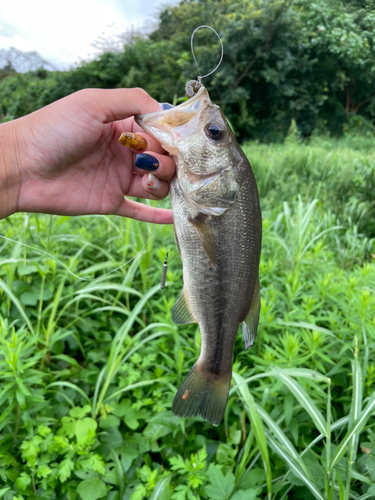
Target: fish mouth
x=168 y=126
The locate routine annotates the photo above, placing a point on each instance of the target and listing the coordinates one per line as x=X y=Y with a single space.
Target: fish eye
x=215 y=131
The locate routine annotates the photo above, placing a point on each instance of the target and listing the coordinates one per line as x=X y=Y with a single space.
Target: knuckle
x=142 y=95
x=141 y=92
x=85 y=94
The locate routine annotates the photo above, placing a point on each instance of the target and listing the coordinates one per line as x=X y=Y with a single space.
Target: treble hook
x=192 y=51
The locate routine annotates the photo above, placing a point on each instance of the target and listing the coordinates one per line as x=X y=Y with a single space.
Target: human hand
x=67 y=159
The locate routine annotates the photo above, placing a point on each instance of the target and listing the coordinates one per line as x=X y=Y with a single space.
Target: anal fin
x=205 y=235
x=181 y=314
x=250 y=324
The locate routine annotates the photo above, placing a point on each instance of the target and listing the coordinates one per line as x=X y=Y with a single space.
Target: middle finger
x=163 y=166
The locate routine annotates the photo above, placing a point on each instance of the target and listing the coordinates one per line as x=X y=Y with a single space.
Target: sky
x=62 y=33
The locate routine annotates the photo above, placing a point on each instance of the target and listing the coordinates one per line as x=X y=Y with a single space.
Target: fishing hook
x=192 y=51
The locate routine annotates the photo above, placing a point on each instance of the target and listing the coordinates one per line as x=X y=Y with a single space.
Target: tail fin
x=203 y=393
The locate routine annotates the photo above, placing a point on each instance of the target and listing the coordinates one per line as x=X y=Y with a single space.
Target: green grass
x=89 y=369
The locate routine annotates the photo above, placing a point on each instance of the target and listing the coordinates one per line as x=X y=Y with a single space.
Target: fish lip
x=148 y=116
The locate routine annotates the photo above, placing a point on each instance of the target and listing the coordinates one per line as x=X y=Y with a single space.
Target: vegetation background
x=89 y=365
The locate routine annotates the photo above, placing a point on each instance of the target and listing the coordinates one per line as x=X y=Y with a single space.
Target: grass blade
x=143 y=383
x=283 y=440
x=257 y=425
x=71 y=386
x=160 y=486
x=293 y=372
x=356 y=427
x=305 y=401
x=294 y=467
x=17 y=303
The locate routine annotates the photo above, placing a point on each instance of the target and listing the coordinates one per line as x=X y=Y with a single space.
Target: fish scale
x=217 y=222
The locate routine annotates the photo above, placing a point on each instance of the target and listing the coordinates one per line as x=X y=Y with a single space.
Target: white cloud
x=63 y=32
x=16 y=41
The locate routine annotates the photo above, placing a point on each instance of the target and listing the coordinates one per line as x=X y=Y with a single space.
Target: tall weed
x=89 y=369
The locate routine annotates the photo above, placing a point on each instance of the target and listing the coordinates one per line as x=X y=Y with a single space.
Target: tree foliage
x=308 y=61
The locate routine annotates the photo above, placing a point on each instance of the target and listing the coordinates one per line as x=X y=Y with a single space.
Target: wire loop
x=192 y=51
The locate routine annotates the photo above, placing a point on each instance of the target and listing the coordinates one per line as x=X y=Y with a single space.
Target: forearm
x=9 y=169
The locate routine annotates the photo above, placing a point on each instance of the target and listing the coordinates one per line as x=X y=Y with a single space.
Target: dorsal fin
x=206 y=236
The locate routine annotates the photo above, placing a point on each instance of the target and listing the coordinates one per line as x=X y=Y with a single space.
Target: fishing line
x=66 y=267
x=192 y=51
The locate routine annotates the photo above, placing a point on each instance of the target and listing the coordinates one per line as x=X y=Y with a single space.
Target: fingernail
x=146 y=162
x=133 y=141
x=153 y=182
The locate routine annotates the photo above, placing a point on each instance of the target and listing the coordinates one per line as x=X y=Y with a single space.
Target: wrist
x=9 y=169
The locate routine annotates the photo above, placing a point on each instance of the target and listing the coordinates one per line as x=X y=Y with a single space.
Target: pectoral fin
x=250 y=324
x=181 y=314
x=206 y=236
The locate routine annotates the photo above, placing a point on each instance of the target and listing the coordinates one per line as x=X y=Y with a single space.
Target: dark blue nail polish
x=147 y=162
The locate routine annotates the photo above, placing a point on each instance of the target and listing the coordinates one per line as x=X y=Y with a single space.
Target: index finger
x=117 y=104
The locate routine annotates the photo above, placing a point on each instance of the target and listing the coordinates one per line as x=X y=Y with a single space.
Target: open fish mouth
x=171 y=125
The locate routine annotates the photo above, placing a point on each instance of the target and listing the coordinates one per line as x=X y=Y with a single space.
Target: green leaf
x=43 y=430
x=67 y=359
x=43 y=471
x=86 y=474
x=251 y=478
x=288 y=408
x=85 y=430
x=26 y=269
x=109 y=421
x=139 y=493
x=91 y=489
x=129 y=453
x=23 y=481
x=31 y=449
x=370 y=466
x=178 y=463
x=221 y=486
x=111 y=474
x=155 y=431
x=80 y=412
x=160 y=487
x=68 y=426
x=181 y=492
x=246 y=495
x=131 y=415
x=94 y=462
x=29 y=298
x=66 y=468
x=111 y=438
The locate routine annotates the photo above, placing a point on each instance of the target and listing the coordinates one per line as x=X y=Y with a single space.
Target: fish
x=218 y=231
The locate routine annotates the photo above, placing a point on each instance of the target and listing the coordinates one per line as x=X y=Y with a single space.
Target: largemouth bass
x=218 y=227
